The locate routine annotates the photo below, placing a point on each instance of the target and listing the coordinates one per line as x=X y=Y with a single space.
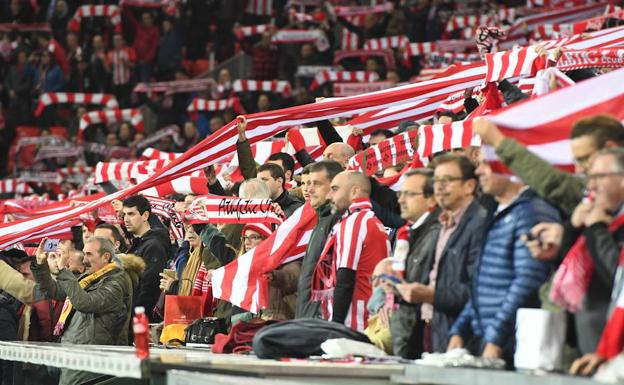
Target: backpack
x=300 y=338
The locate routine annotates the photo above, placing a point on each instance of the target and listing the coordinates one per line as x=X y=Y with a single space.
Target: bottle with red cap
x=140 y=328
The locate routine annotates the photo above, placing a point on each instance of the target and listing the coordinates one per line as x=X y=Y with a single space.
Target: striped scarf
x=84 y=283
x=324 y=276
x=190 y=271
x=575 y=273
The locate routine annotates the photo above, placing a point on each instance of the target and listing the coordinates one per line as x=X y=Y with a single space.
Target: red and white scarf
x=455 y=102
x=401 y=249
x=111 y=12
x=420 y=49
x=119 y=171
x=14 y=186
x=612 y=340
x=49 y=98
x=343 y=249
x=165 y=208
x=176 y=86
x=289 y=36
x=187 y=184
x=152 y=153
x=548 y=31
x=132 y=115
x=608 y=57
x=516 y=34
x=214 y=105
x=342 y=76
x=445 y=59
x=547 y=134
x=240 y=282
x=443 y=137
x=362 y=10
x=385 y=54
x=510 y=64
x=217 y=209
x=427 y=74
x=461 y=22
x=259 y=7
x=575 y=273
x=76 y=170
x=276 y=86
x=386 y=42
x=350 y=40
x=251 y=30
x=350 y=89
x=388 y=153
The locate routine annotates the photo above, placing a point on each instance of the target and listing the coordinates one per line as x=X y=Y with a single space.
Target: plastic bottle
x=141 y=332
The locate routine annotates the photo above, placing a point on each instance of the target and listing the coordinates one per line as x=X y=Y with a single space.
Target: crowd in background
x=443 y=262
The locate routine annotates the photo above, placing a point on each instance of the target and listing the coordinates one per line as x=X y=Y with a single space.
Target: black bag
x=300 y=338
x=204 y=330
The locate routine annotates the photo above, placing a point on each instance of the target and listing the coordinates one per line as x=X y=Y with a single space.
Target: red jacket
x=145 y=40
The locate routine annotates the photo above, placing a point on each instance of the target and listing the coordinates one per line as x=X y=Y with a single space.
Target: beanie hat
x=261 y=228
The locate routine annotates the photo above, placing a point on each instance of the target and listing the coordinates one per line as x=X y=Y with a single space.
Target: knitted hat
x=261 y=228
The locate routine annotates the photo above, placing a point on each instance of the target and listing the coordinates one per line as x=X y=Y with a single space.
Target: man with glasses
x=443 y=286
x=600 y=221
x=418 y=209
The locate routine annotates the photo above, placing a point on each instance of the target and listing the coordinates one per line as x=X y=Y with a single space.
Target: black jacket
x=405 y=326
x=9 y=318
x=154 y=248
x=305 y=307
x=387 y=209
x=604 y=248
x=288 y=203
x=455 y=272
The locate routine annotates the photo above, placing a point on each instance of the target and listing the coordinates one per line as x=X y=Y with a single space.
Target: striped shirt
x=120 y=68
x=360 y=243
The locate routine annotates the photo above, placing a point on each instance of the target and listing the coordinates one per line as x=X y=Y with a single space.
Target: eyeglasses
x=599 y=175
x=408 y=194
x=581 y=160
x=253 y=238
x=446 y=179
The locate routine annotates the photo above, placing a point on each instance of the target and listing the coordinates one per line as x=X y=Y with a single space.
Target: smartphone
x=169 y=273
x=530 y=237
x=51 y=245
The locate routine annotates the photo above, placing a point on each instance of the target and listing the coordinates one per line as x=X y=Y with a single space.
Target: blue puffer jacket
x=507 y=277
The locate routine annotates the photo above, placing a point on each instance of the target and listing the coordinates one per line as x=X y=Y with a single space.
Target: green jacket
x=246 y=161
x=101 y=311
x=560 y=188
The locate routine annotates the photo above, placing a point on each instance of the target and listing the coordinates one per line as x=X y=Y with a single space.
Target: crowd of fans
x=444 y=263
x=176 y=43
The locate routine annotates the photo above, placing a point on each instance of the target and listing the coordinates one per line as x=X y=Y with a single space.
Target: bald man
x=339 y=152
x=357 y=243
x=383 y=199
x=345 y=188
